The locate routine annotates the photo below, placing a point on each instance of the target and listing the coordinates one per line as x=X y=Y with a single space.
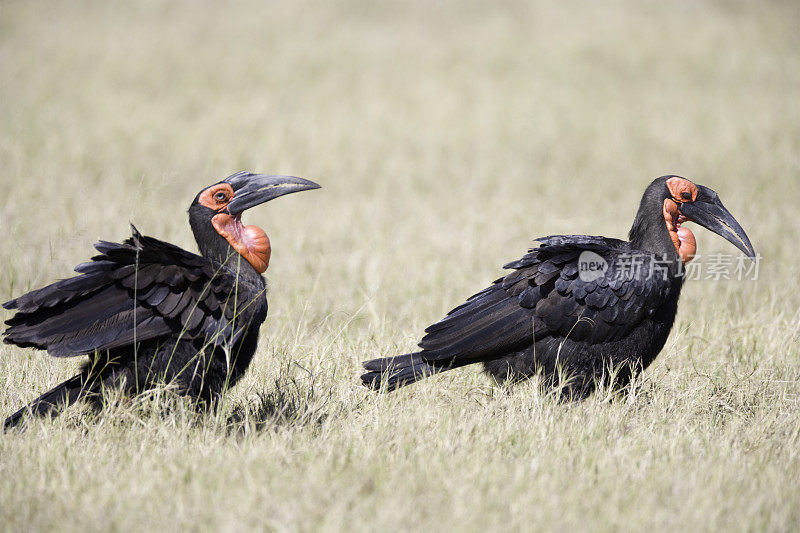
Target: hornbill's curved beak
x=708 y=211
x=253 y=189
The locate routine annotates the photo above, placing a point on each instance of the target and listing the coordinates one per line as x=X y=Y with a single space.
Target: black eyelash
x=686 y=195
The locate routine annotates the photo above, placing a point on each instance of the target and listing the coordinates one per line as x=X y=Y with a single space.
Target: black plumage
x=575 y=327
x=147 y=312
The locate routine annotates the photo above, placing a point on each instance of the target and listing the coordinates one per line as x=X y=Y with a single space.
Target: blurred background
x=446 y=136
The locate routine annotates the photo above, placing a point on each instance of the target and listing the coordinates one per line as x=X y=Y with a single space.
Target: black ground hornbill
x=578 y=309
x=148 y=312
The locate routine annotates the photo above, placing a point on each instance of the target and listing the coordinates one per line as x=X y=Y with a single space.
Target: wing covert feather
x=135 y=291
x=544 y=295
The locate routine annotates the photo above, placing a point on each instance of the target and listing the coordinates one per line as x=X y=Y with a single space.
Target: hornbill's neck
x=216 y=248
x=649 y=230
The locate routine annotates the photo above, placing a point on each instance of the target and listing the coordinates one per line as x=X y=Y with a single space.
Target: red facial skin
x=682 y=238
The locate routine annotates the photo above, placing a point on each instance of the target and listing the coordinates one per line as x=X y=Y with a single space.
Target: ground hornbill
x=148 y=312
x=578 y=309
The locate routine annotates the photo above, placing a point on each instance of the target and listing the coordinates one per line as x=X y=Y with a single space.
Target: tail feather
x=388 y=363
x=57 y=398
x=400 y=371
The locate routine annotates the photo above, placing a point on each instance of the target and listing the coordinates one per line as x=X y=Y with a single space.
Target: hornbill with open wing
x=578 y=309
x=147 y=312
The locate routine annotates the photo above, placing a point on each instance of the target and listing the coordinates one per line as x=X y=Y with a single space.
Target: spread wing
x=546 y=295
x=135 y=291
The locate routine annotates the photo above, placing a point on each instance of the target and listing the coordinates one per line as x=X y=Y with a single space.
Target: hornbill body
x=148 y=312
x=560 y=314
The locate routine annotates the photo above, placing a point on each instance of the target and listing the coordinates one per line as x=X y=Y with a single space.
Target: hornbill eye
x=221 y=197
x=686 y=195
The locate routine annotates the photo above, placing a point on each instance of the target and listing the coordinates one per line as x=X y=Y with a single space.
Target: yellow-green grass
x=446 y=136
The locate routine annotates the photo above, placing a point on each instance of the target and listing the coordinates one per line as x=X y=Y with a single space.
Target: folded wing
x=135 y=291
x=545 y=295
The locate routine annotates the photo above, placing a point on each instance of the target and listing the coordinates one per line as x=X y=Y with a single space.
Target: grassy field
x=446 y=136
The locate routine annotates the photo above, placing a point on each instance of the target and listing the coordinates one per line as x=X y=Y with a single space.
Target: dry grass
x=446 y=136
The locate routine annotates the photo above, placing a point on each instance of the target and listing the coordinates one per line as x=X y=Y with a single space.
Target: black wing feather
x=139 y=290
x=545 y=296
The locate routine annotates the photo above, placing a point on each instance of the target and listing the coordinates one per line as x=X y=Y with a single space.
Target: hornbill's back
x=577 y=307
x=148 y=312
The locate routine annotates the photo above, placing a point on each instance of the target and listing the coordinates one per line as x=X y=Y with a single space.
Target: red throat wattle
x=682 y=238
x=251 y=242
